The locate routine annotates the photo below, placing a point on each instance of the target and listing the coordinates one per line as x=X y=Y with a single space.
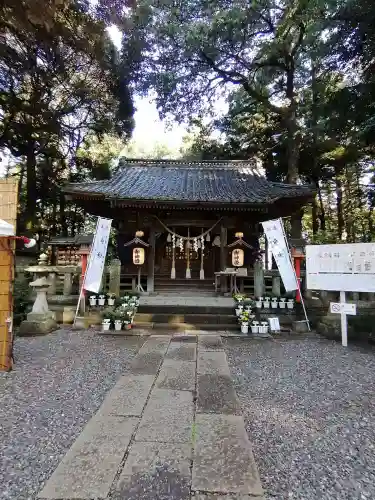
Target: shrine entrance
x=186 y=254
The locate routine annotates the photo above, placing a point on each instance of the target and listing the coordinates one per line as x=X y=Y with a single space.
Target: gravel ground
x=310 y=413
x=58 y=383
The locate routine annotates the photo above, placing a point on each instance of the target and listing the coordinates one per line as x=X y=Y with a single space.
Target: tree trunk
x=340 y=215
x=31 y=189
x=314 y=217
x=293 y=150
x=322 y=213
x=54 y=215
x=63 y=224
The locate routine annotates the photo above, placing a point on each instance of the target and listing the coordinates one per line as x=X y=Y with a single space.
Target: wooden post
x=151 y=262
x=223 y=260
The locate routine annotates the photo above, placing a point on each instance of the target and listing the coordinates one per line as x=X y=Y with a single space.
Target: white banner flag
x=98 y=253
x=273 y=229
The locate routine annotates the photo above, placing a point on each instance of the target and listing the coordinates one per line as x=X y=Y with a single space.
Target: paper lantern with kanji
x=238 y=257
x=138 y=256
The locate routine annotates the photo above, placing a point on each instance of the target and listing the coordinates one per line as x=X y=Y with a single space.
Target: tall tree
x=197 y=50
x=60 y=78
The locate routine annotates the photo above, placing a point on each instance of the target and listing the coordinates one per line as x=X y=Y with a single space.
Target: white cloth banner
x=274 y=231
x=97 y=256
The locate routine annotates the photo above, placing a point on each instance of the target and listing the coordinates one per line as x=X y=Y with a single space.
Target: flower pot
x=106 y=326
x=258 y=304
x=111 y=302
x=244 y=328
x=290 y=304
x=238 y=312
x=266 y=304
x=101 y=300
x=254 y=328
x=263 y=328
x=282 y=305
x=92 y=300
x=128 y=327
x=118 y=325
x=274 y=304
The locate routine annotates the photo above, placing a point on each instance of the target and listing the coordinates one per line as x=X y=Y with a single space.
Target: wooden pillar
x=223 y=257
x=151 y=262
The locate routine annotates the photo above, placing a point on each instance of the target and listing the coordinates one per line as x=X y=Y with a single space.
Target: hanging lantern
x=169 y=238
x=208 y=237
x=139 y=234
x=138 y=256
x=216 y=242
x=238 y=256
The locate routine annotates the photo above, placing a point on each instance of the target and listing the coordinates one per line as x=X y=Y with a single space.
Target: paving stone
x=150 y=356
x=89 y=468
x=214 y=496
x=223 y=459
x=184 y=337
x=156 y=343
x=155 y=471
x=216 y=394
x=181 y=351
x=177 y=375
x=210 y=343
x=128 y=397
x=168 y=417
x=213 y=363
x=146 y=364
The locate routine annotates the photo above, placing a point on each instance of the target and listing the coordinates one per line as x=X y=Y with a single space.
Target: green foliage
x=21 y=295
x=60 y=80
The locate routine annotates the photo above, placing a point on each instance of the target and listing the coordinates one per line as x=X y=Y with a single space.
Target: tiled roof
x=201 y=182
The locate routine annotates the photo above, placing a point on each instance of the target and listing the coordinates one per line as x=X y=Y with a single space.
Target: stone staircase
x=198 y=311
x=182 y=286
x=186 y=317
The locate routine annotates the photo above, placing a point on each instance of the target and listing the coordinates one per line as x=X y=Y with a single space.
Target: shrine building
x=191 y=216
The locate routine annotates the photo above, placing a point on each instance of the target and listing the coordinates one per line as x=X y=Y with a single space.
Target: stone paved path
x=170 y=429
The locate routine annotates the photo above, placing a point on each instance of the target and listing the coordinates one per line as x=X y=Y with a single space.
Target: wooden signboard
x=8 y=212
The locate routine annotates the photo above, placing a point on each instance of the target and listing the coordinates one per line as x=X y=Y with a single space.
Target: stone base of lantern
x=38 y=324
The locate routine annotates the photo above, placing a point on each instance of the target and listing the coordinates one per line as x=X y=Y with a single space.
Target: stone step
x=180 y=327
x=186 y=292
x=201 y=319
x=171 y=309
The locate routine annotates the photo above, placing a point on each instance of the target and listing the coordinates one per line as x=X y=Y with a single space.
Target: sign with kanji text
x=238 y=257
x=274 y=231
x=138 y=256
x=94 y=272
